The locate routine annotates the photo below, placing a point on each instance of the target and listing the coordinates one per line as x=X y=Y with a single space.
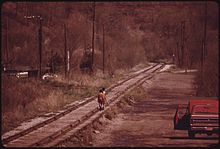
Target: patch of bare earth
x=147 y=119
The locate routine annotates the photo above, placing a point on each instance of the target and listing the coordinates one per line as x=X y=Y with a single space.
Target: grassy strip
x=23 y=99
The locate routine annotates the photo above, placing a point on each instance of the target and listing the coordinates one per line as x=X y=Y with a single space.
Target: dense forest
x=127 y=32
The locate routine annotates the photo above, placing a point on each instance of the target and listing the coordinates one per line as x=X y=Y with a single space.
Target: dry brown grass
x=23 y=99
x=16 y=97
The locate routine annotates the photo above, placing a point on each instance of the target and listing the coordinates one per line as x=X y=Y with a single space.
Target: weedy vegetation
x=26 y=98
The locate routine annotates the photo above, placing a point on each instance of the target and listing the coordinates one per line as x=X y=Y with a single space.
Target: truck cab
x=199 y=116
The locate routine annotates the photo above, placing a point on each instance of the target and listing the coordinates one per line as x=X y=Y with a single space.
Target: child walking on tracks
x=101 y=99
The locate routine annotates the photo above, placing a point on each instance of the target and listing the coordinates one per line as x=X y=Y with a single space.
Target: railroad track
x=54 y=130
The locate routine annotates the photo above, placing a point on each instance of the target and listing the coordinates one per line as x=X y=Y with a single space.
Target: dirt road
x=149 y=120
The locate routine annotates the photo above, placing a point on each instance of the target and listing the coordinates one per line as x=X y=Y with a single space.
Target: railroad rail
x=55 y=130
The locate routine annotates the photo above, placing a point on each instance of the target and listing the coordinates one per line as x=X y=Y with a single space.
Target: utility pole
x=65 y=50
x=68 y=62
x=178 y=53
x=202 y=55
x=182 y=41
x=52 y=61
x=204 y=41
x=40 y=47
x=177 y=46
x=7 y=40
x=103 y=56
x=93 y=35
x=39 y=18
x=204 y=50
x=110 y=61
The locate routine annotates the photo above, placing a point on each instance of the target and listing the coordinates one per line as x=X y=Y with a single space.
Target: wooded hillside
x=133 y=32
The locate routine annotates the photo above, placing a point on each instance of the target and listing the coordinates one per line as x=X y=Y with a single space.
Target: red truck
x=199 y=116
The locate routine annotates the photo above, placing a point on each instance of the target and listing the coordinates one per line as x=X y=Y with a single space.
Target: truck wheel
x=191 y=134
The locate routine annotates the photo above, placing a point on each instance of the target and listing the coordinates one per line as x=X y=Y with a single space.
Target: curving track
x=59 y=128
